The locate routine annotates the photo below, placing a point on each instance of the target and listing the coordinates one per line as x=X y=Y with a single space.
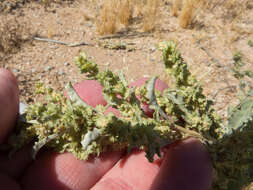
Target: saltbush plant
x=181 y=111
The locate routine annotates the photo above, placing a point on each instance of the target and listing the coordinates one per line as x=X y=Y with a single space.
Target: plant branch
x=62 y=43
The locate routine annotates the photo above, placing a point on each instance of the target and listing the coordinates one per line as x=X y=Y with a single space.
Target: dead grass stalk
x=106 y=21
x=114 y=14
x=150 y=16
x=10 y=34
x=189 y=10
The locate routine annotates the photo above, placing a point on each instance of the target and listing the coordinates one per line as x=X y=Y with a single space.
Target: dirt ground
x=207 y=46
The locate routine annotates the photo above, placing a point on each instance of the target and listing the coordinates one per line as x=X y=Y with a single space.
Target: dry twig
x=63 y=43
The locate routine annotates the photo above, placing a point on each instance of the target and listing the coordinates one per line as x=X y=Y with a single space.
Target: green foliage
x=237 y=67
x=245 y=88
x=250 y=43
x=71 y=125
x=186 y=100
x=233 y=154
x=86 y=65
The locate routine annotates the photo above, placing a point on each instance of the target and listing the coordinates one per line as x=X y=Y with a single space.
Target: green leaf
x=152 y=98
x=250 y=43
x=240 y=115
x=249 y=73
x=250 y=92
x=151 y=91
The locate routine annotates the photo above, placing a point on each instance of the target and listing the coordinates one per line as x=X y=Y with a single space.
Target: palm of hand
x=185 y=165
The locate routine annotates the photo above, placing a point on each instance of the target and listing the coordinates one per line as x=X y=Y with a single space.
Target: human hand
x=185 y=165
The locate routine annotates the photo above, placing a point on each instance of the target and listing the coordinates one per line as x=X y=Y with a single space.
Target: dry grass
x=175 y=7
x=186 y=16
x=13 y=34
x=139 y=4
x=10 y=34
x=106 y=21
x=115 y=14
x=189 y=10
x=150 y=16
x=125 y=11
x=112 y=14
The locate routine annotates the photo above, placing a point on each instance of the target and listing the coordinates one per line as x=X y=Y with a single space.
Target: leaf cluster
x=233 y=153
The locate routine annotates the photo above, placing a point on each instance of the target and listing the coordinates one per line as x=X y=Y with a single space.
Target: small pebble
x=60 y=72
x=15 y=71
x=48 y=68
x=66 y=64
x=89 y=24
x=152 y=48
x=152 y=59
x=33 y=70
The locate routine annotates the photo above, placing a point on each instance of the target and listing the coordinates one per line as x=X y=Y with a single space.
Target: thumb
x=186 y=166
x=9 y=102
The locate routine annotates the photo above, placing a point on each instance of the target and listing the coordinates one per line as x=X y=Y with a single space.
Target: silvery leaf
x=22 y=108
x=89 y=137
x=22 y=111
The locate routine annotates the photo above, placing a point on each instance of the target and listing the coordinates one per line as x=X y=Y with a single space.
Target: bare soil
x=217 y=32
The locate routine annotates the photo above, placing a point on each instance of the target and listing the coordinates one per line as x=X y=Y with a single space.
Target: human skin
x=185 y=165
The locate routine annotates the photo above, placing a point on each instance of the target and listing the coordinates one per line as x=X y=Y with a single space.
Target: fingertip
x=132 y=172
x=7 y=74
x=9 y=100
x=42 y=174
x=64 y=171
x=91 y=92
x=186 y=166
x=159 y=84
